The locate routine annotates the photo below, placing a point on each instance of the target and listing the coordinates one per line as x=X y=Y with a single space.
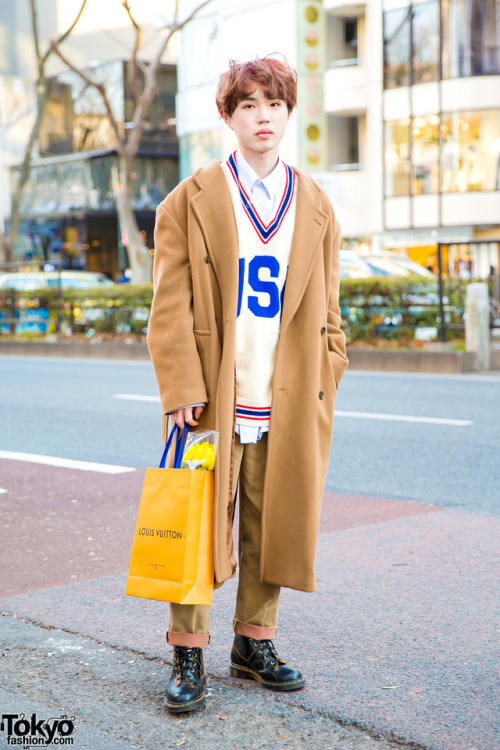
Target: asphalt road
x=423 y=438
x=400 y=648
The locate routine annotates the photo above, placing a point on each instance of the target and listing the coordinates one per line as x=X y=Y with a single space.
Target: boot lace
x=269 y=652
x=186 y=662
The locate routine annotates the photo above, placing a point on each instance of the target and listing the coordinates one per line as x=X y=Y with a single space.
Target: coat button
x=208 y=259
x=321 y=395
x=323 y=331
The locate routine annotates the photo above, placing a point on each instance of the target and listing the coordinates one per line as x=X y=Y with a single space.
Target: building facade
x=398 y=117
x=68 y=209
x=442 y=131
x=69 y=203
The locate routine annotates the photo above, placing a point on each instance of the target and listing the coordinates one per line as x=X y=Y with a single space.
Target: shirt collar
x=273 y=183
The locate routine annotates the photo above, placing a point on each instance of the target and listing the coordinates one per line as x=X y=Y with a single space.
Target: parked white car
x=352 y=266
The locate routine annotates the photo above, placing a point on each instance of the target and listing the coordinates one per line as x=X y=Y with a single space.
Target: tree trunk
x=140 y=260
x=15 y=216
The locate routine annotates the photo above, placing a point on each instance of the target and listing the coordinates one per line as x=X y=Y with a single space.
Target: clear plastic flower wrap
x=200 y=450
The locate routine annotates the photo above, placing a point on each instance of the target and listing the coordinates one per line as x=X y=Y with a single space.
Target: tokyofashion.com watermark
x=23 y=731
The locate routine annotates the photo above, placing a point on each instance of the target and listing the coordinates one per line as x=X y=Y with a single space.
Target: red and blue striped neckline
x=265 y=231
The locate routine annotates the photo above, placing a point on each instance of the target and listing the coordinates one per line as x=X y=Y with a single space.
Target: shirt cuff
x=249 y=434
x=187 y=406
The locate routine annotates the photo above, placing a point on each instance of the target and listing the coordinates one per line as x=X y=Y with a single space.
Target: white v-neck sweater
x=264 y=252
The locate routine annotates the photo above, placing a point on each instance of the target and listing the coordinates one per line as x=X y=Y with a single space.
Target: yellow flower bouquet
x=200 y=450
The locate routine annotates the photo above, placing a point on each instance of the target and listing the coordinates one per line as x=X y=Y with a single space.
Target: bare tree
x=41 y=98
x=142 y=78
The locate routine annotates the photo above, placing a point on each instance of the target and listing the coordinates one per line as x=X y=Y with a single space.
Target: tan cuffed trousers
x=256 y=612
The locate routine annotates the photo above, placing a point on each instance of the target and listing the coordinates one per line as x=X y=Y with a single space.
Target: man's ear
x=226 y=119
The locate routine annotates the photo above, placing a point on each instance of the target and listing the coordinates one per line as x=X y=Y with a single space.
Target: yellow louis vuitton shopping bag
x=172 y=551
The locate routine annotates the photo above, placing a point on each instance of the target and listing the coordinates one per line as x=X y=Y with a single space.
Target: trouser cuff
x=188 y=640
x=259 y=632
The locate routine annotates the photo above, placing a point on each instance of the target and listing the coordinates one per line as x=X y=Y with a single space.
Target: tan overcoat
x=191 y=339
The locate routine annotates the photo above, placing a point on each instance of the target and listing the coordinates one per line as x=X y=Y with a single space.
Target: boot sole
x=184 y=708
x=247 y=674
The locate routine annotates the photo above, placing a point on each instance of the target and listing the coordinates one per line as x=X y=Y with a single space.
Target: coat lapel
x=310 y=227
x=214 y=211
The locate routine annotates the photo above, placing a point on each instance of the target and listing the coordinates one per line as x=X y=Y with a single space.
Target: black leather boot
x=258 y=660
x=186 y=687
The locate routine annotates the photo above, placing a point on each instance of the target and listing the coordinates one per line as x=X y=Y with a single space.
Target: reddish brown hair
x=277 y=78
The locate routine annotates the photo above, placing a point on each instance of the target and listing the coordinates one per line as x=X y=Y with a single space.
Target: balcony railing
x=355 y=167
x=349 y=62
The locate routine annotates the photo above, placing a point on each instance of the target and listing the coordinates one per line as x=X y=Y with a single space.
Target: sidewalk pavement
x=398 y=644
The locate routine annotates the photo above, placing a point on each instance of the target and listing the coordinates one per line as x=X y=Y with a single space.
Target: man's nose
x=263 y=114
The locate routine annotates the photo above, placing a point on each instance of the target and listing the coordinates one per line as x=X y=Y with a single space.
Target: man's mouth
x=264 y=131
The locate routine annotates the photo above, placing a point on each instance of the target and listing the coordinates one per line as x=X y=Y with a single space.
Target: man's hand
x=186 y=416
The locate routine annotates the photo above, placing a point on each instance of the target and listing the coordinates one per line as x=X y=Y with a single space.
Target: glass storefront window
x=56 y=129
x=73 y=186
x=91 y=128
x=155 y=178
x=471 y=37
x=41 y=194
x=198 y=149
x=397 y=48
x=159 y=136
x=470 y=32
x=103 y=170
x=397 y=158
x=470 y=151
x=425 y=155
x=425 y=42
x=76 y=118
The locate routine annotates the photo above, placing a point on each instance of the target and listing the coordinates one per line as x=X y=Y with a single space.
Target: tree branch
x=34 y=23
x=151 y=81
x=100 y=87
x=41 y=96
x=68 y=31
x=70 y=28
x=134 y=23
x=176 y=26
x=133 y=78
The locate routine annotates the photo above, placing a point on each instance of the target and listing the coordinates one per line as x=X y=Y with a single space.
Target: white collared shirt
x=265 y=194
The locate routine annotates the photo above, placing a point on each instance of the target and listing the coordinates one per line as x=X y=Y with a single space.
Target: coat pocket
x=203 y=342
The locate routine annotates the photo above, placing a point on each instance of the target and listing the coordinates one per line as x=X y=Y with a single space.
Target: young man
x=245 y=339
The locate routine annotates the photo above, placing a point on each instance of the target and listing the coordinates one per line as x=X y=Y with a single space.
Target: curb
x=408 y=360
x=423 y=361
x=380 y=360
x=135 y=350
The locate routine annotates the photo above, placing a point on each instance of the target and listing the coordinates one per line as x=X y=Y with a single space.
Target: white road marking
x=65 y=463
x=340 y=413
x=403 y=418
x=2 y=491
x=134 y=397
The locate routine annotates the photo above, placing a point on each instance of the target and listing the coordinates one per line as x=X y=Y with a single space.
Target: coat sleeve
x=336 y=336
x=170 y=337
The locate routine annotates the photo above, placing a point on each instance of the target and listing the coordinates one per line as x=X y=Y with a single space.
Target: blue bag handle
x=179 y=449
